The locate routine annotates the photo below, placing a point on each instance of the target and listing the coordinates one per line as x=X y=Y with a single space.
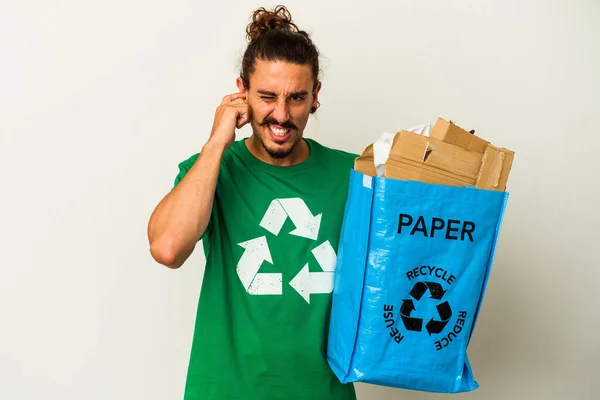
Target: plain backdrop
x=99 y=101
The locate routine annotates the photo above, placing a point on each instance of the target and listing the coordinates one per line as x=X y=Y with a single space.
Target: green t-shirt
x=263 y=313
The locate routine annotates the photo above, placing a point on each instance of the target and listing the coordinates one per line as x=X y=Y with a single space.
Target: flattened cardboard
x=445 y=163
x=406 y=171
x=409 y=145
x=454 y=159
x=448 y=132
x=464 y=162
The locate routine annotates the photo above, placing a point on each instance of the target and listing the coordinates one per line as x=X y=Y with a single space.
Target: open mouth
x=278 y=133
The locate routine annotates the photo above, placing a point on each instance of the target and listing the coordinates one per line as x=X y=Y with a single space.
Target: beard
x=279 y=152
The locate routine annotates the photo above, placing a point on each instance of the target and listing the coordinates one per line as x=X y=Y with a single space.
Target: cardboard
x=366 y=163
x=450 y=156
x=449 y=132
x=495 y=168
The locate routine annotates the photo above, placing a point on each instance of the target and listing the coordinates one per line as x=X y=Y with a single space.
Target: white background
x=99 y=101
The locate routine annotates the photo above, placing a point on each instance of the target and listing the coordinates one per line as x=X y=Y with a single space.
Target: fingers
x=237 y=104
x=243 y=119
x=240 y=105
x=232 y=97
x=244 y=114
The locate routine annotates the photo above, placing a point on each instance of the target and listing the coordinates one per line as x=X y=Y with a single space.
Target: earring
x=313 y=108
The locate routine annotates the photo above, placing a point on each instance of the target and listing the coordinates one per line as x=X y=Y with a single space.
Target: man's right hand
x=182 y=216
x=231 y=114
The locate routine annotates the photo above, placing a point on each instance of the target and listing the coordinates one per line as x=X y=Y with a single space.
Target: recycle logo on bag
x=443 y=309
x=443 y=327
x=256 y=251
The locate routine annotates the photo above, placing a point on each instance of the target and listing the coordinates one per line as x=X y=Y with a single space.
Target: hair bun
x=264 y=21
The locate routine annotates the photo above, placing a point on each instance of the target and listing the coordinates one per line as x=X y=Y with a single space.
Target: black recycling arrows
x=445 y=312
x=412 y=324
x=418 y=290
x=434 y=326
x=436 y=290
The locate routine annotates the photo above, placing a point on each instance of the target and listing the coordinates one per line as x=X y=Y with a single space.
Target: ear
x=315 y=102
x=240 y=84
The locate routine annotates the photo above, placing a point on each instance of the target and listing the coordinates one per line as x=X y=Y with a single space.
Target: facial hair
x=280 y=153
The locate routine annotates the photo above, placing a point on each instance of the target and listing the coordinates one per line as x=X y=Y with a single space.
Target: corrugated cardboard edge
x=495 y=168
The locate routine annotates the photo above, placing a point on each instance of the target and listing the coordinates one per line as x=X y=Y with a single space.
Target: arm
x=180 y=219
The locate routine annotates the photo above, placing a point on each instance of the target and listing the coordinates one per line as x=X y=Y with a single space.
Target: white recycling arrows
x=325 y=256
x=307 y=225
x=256 y=251
x=307 y=283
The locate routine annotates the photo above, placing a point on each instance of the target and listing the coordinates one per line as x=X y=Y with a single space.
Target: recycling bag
x=412 y=266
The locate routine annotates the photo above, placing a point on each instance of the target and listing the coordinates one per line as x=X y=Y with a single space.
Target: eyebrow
x=268 y=93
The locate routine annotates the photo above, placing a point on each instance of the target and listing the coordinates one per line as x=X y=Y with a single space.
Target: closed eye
x=296 y=97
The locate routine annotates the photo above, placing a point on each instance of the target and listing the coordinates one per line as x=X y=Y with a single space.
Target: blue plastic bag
x=412 y=267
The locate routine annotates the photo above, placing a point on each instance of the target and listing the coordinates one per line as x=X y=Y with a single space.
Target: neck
x=299 y=154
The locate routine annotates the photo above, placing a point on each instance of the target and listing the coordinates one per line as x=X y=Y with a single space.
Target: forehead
x=280 y=76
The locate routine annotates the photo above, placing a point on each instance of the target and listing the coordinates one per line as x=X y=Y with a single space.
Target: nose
x=281 y=112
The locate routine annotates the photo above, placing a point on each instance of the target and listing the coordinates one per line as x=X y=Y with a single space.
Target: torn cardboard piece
x=366 y=162
x=449 y=156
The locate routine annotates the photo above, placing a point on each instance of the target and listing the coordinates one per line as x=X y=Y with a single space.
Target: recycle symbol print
x=443 y=309
x=256 y=251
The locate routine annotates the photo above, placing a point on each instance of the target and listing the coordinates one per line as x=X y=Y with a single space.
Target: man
x=268 y=210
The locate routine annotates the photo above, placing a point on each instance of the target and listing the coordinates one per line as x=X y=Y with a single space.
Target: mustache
x=272 y=121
